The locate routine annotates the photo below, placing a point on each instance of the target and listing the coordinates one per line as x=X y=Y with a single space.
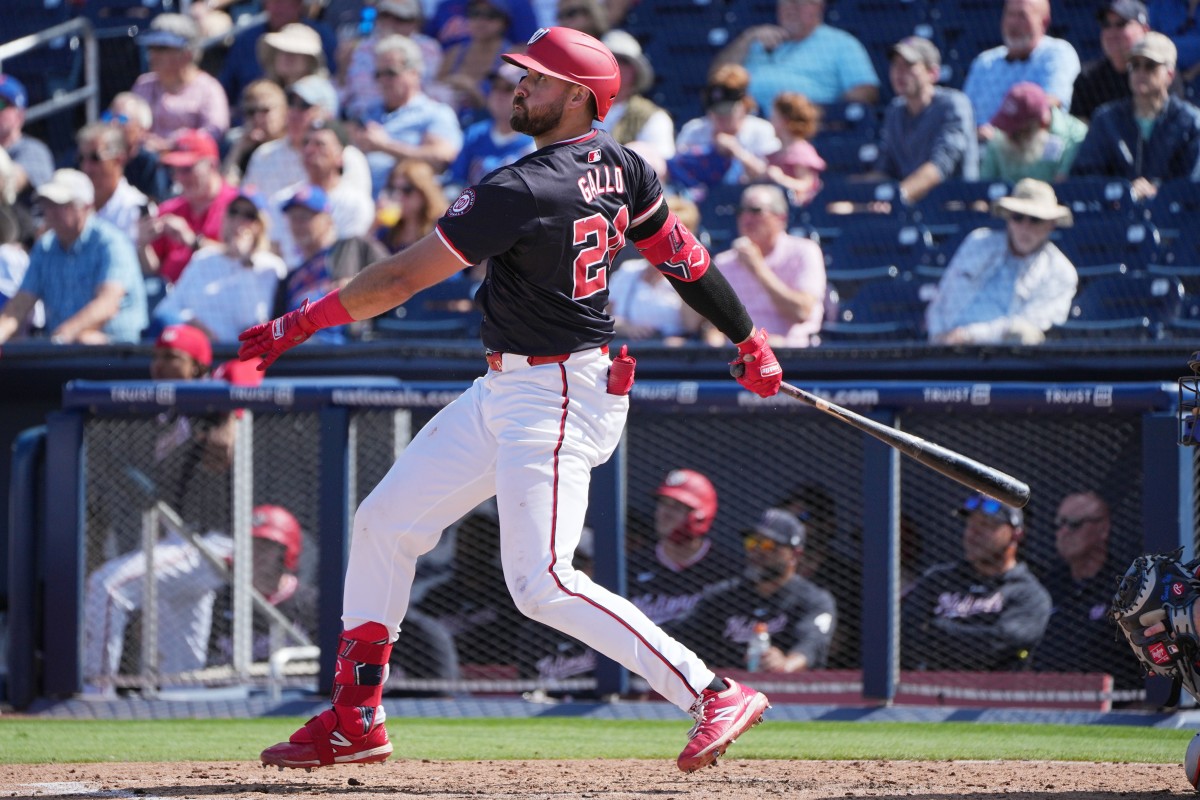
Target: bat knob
x=737 y=369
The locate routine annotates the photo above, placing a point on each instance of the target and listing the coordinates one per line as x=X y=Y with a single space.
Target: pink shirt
x=800 y=264
x=200 y=104
x=173 y=256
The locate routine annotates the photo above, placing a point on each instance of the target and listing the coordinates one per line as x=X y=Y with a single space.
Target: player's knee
x=533 y=596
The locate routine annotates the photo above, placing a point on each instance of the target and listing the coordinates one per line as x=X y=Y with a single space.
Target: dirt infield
x=606 y=780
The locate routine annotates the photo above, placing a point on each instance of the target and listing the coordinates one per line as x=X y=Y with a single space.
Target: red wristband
x=329 y=311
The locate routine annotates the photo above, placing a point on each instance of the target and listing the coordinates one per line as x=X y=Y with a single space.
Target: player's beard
x=535 y=121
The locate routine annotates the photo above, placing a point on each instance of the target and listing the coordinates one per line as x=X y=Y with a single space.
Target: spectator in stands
x=291 y=53
x=353 y=210
x=328 y=262
x=1123 y=23
x=231 y=284
x=803 y=54
x=633 y=116
x=928 y=130
x=358 y=89
x=241 y=63
x=1033 y=138
x=415 y=199
x=1178 y=20
x=449 y=22
x=717 y=147
x=14 y=258
x=187 y=583
x=640 y=299
x=1151 y=137
x=188 y=222
x=103 y=152
x=407 y=123
x=1081 y=589
x=179 y=93
x=1009 y=285
x=264 y=119
x=33 y=158
x=1027 y=54
x=490 y=143
x=279 y=163
x=462 y=79
x=589 y=16
x=83 y=269
x=800 y=616
x=687 y=562
x=143 y=169
x=780 y=277
x=985 y=611
x=796 y=165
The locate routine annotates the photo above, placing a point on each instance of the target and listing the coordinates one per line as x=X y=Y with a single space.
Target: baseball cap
x=916 y=50
x=190 y=146
x=170 y=30
x=252 y=195
x=509 y=73
x=295 y=37
x=991 y=507
x=238 y=372
x=1129 y=10
x=316 y=91
x=1024 y=103
x=720 y=99
x=1156 y=47
x=401 y=9
x=338 y=129
x=311 y=197
x=779 y=526
x=13 y=91
x=189 y=339
x=68 y=186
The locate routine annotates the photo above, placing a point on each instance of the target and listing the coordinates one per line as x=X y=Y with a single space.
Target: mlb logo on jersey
x=593 y=156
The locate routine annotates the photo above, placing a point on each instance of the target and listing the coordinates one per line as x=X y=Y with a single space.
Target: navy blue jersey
x=549 y=226
x=665 y=595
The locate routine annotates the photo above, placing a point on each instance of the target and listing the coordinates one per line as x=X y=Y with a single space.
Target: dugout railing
x=81 y=490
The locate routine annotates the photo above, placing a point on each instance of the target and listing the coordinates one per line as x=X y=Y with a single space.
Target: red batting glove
x=271 y=339
x=756 y=367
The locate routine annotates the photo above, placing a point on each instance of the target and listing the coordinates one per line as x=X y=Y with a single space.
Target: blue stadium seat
x=841 y=199
x=718 y=215
x=1087 y=196
x=1184 y=247
x=1176 y=203
x=1187 y=274
x=887 y=309
x=848 y=122
x=444 y=310
x=868 y=243
x=1096 y=243
x=1125 y=306
x=957 y=204
x=879 y=24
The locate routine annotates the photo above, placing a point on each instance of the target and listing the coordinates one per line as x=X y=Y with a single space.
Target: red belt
x=495 y=359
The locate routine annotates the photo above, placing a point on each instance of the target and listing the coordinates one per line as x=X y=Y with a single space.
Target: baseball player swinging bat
x=955 y=466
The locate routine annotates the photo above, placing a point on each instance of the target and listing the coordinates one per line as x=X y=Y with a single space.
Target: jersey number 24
x=601 y=241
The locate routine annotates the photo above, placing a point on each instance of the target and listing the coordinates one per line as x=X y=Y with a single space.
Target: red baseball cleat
x=721 y=717
x=319 y=743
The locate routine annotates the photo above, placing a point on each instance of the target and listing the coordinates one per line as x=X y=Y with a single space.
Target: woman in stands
x=410 y=205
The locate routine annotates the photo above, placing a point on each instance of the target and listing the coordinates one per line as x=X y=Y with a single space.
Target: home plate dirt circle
x=733 y=779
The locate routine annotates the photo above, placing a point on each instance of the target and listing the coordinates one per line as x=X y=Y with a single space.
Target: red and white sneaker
x=721 y=717
x=319 y=744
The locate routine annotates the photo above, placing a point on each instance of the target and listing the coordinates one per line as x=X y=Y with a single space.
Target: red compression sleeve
x=675 y=251
x=329 y=311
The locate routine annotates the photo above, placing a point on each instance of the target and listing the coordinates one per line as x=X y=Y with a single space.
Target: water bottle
x=759 y=644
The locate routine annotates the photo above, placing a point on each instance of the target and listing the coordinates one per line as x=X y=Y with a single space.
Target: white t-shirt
x=276 y=165
x=124 y=208
x=640 y=302
x=223 y=294
x=353 y=215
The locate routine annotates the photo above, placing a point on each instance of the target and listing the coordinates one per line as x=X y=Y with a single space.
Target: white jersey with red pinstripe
x=530 y=430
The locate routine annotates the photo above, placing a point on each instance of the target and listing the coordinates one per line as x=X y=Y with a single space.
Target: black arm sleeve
x=712 y=297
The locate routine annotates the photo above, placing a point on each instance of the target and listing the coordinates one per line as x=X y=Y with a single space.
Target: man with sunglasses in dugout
x=1010 y=284
x=1081 y=589
x=985 y=611
x=800 y=616
x=1152 y=136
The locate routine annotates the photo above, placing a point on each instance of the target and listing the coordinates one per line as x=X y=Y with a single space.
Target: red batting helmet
x=277 y=524
x=697 y=493
x=573 y=56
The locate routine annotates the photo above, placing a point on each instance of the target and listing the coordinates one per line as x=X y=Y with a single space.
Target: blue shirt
x=1053 y=65
x=942 y=133
x=67 y=280
x=1171 y=17
x=823 y=66
x=1116 y=144
x=408 y=124
x=481 y=153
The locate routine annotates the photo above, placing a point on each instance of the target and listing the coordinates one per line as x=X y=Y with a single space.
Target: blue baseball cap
x=13 y=91
x=177 y=31
x=311 y=197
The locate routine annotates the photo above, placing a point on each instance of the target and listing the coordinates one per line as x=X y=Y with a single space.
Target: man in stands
x=241 y=64
x=1123 y=23
x=31 y=156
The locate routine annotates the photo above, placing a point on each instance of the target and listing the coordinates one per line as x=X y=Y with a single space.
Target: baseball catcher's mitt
x=1158 y=588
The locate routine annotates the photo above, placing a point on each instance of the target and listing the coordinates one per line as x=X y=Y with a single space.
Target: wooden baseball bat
x=955 y=466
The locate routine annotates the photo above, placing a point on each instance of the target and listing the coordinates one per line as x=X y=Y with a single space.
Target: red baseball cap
x=239 y=373
x=190 y=146
x=1024 y=103
x=187 y=339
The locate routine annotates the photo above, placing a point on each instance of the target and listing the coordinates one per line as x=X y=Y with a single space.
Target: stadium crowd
x=248 y=167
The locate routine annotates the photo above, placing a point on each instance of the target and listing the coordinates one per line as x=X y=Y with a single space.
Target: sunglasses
x=1025 y=219
x=252 y=111
x=1074 y=524
x=989 y=506
x=5 y=104
x=380 y=74
x=109 y=116
x=760 y=544
x=753 y=210
x=94 y=158
x=395 y=18
x=299 y=103
x=243 y=212
x=1114 y=24
x=406 y=189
